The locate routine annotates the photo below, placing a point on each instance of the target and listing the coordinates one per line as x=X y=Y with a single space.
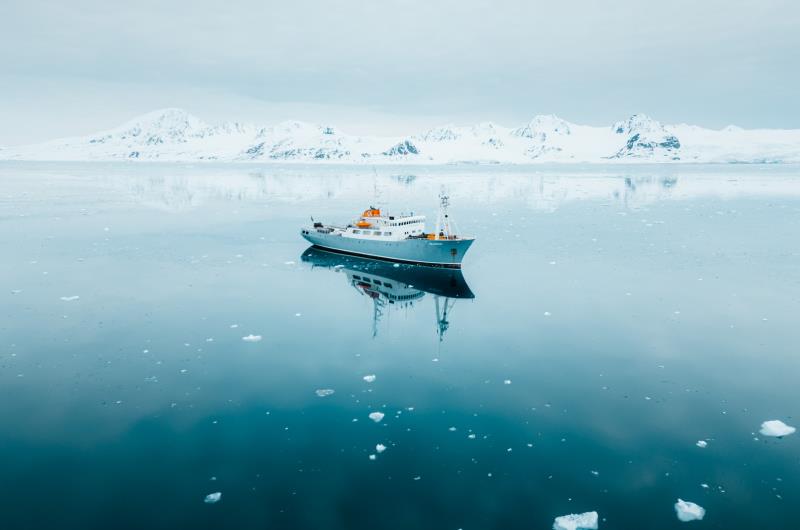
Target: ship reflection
x=396 y=285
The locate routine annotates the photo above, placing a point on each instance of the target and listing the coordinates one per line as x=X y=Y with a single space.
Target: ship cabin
x=374 y=225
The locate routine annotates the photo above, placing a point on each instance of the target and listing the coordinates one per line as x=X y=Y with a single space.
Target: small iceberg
x=689 y=511
x=376 y=416
x=212 y=498
x=576 y=521
x=776 y=428
x=702 y=444
x=323 y=392
x=251 y=338
x=369 y=378
x=70 y=298
x=380 y=448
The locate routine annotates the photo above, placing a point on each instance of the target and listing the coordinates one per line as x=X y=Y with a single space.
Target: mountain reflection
x=390 y=285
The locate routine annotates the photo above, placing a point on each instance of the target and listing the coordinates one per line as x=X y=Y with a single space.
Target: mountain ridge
x=172 y=134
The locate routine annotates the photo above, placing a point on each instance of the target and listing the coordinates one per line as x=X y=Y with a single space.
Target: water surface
x=605 y=321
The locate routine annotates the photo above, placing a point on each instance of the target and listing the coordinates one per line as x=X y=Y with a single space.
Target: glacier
x=174 y=135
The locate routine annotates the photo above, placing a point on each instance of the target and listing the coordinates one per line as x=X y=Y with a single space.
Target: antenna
x=376 y=192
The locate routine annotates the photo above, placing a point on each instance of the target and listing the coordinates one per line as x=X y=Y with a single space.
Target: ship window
x=377 y=282
x=377 y=233
x=356 y=231
x=389 y=285
x=387 y=233
x=356 y=277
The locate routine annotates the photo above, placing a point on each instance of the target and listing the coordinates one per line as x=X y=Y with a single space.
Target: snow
x=576 y=521
x=376 y=416
x=213 y=498
x=251 y=338
x=776 y=428
x=689 y=511
x=175 y=135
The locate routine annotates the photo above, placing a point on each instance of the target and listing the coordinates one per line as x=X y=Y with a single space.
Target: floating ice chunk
x=233 y=326
x=70 y=298
x=776 y=428
x=376 y=416
x=212 y=498
x=251 y=338
x=507 y=382
x=298 y=314
x=369 y=378
x=701 y=444
x=322 y=392
x=16 y=291
x=547 y=313
x=372 y=457
x=288 y=262
x=576 y=521
x=380 y=448
x=689 y=511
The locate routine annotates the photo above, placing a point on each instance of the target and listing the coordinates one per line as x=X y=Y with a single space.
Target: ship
x=400 y=239
x=395 y=285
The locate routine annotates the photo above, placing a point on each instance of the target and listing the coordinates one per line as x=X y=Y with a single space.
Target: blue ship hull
x=432 y=252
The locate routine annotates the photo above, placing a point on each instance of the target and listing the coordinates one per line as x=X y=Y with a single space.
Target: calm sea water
x=605 y=322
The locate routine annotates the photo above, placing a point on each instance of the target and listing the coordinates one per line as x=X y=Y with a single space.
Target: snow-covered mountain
x=175 y=135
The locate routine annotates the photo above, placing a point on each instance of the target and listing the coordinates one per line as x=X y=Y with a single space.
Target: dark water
x=606 y=321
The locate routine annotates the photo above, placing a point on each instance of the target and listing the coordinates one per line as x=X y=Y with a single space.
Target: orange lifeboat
x=371 y=212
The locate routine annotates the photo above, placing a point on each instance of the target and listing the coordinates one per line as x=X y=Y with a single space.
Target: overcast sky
x=379 y=66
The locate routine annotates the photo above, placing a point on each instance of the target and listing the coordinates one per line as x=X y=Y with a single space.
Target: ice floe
x=323 y=392
x=776 y=428
x=212 y=498
x=70 y=298
x=380 y=448
x=576 y=521
x=701 y=444
x=251 y=338
x=376 y=416
x=689 y=511
x=369 y=378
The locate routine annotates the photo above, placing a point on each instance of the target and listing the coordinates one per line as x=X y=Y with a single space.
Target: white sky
x=381 y=66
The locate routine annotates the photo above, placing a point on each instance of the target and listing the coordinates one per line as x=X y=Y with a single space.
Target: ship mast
x=444 y=230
